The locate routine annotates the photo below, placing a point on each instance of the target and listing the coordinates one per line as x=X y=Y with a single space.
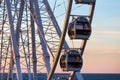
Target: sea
x=101 y=76
x=59 y=76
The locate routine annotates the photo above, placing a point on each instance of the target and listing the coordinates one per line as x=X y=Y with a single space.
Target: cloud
x=107 y=32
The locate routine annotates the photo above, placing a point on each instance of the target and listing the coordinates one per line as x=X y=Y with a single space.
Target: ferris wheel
x=34 y=39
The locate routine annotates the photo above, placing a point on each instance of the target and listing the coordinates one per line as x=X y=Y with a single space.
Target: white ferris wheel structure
x=33 y=36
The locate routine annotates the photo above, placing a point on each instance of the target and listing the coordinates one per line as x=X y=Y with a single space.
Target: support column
x=42 y=39
x=13 y=41
x=34 y=59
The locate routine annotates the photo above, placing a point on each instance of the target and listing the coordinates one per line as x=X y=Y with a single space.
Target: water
x=101 y=76
x=85 y=76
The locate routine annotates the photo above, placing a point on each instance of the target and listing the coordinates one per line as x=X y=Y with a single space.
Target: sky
x=102 y=53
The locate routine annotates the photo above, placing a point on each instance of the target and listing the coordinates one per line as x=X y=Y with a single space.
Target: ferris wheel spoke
x=19 y=20
x=13 y=40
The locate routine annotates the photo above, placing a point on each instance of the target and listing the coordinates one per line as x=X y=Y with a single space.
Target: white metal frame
x=25 y=28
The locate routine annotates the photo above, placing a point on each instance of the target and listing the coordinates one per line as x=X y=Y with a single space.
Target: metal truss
x=31 y=40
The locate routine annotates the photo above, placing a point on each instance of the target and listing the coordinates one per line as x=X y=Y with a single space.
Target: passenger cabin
x=79 y=28
x=71 y=61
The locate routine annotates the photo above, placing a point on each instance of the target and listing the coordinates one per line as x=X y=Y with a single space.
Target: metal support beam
x=11 y=66
x=91 y=12
x=13 y=41
x=17 y=35
x=37 y=19
x=2 y=37
x=27 y=65
x=40 y=30
x=34 y=59
x=19 y=21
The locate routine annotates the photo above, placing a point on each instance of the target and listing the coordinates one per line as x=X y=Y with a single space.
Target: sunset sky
x=102 y=53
